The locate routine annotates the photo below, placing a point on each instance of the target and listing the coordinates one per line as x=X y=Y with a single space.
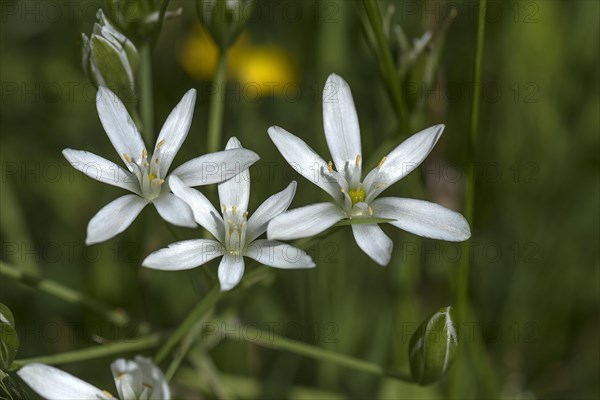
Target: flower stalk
x=147 y=93
x=217 y=102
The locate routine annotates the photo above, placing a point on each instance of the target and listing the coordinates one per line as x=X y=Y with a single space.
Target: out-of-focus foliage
x=534 y=250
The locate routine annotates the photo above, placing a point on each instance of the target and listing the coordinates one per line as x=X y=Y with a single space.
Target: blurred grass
x=535 y=255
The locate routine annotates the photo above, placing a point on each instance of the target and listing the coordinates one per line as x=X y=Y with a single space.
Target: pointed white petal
x=374 y=242
x=174 y=132
x=204 y=212
x=155 y=377
x=269 y=209
x=231 y=270
x=182 y=255
x=423 y=218
x=215 y=167
x=305 y=221
x=304 y=160
x=235 y=191
x=174 y=210
x=402 y=160
x=119 y=126
x=128 y=378
x=102 y=169
x=114 y=218
x=340 y=122
x=279 y=255
x=53 y=384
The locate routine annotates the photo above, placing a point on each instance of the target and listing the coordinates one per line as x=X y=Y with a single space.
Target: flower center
x=147 y=172
x=357 y=195
x=235 y=229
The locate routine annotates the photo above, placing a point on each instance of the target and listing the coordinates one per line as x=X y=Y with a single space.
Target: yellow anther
x=151 y=177
x=160 y=144
x=157 y=160
x=224 y=207
x=245 y=214
x=147 y=164
x=357 y=161
x=330 y=167
x=126 y=157
x=144 y=153
x=108 y=394
x=381 y=162
x=370 y=210
x=161 y=181
x=234 y=210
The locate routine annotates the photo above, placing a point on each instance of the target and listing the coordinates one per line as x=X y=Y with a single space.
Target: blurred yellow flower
x=264 y=65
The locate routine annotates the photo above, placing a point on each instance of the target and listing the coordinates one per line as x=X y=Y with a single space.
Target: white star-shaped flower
x=236 y=234
x=146 y=174
x=355 y=198
x=137 y=379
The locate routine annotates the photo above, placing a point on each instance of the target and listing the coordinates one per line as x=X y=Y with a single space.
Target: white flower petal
x=305 y=221
x=174 y=210
x=269 y=209
x=423 y=218
x=374 y=242
x=304 y=160
x=182 y=255
x=154 y=376
x=114 y=218
x=236 y=190
x=102 y=169
x=231 y=270
x=279 y=255
x=215 y=167
x=204 y=212
x=402 y=160
x=128 y=378
x=174 y=132
x=53 y=384
x=119 y=126
x=340 y=122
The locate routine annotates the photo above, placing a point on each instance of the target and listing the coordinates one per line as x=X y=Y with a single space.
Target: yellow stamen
x=245 y=214
x=157 y=160
x=161 y=181
x=224 y=207
x=330 y=167
x=234 y=209
x=144 y=153
x=126 y=157
x=357 y=161
x=108 y=394
x=370 y=210
x=160 y=144
x=147 y=164
x=381 y=162
x=151 y=177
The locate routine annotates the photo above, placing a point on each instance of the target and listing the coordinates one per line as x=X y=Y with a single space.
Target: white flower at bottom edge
x=137 y=379
x=236 y=234
x=355 y=198
x=146 y=176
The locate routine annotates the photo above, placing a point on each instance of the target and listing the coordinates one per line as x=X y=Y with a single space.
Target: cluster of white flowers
x=236 y=233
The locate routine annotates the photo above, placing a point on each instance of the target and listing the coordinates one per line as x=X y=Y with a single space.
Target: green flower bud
x=224 y=19
x=110 y=59
x=138 y=19
x=432 y=347
x=9 y=341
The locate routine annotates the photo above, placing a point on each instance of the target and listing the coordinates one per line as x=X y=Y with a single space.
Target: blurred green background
x=534 y=282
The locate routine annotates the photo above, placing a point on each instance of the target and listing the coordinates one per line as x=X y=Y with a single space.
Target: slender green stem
x=198 y=312
x=270 y=340
x=134 y=344
x=118 y=317
x=386 y=64
x=463 y=275
x=217 y=103
x=146 y=93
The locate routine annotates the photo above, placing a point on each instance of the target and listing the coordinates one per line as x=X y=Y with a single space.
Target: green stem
x=118 y=317
x=134 y=344
x=198 y=312
x=386 y=64
x=146 y=94
x=463 y=275
x=270 y=340
x=217 y=103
